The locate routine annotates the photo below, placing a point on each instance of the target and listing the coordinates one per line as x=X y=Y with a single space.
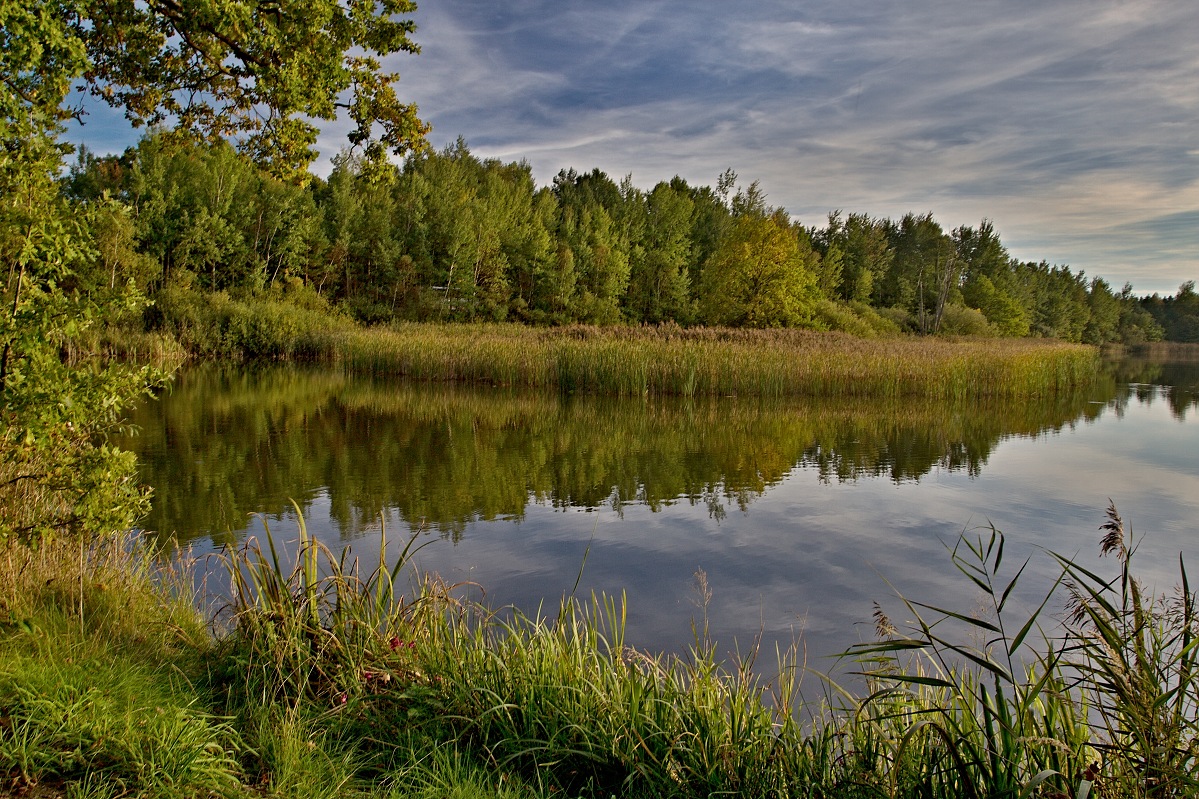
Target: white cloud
x=1070 y=124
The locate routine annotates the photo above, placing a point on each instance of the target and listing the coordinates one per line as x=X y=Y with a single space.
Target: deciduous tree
x=760 y=275
x=256 y=71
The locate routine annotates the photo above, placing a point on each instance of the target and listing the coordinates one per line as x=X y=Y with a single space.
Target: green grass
x=94 y=679
x=627 y=361
x=704 y=361
x=325 y=679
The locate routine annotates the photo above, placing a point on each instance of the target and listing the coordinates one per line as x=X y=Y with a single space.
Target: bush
x=899 y=317
x=958 y=320
x=880 y=324
x=274 y=325
x=831 y=315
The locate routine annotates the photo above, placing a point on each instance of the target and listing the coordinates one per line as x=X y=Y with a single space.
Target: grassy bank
x=323 y=679
x=706 y=361
x=629 y=361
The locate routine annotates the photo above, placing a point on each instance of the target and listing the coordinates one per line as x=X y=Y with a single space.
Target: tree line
x=448 y=236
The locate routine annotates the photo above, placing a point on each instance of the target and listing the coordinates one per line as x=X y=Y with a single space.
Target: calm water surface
x=801 y=514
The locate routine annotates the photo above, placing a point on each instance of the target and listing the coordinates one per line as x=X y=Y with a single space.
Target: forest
x=447 y=236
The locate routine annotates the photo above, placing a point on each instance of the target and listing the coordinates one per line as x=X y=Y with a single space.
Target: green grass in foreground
x=705 y=361
x=327 y=681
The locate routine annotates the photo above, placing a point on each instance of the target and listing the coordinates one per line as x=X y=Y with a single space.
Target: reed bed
x=996 y=703
x=156 y=349
x=670 y=360
x=1171 y=351
x=327 y=679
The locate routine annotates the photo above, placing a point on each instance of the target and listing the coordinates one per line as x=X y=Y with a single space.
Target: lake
x=801 y=514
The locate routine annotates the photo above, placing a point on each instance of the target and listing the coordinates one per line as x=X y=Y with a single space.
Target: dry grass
x=692 y=362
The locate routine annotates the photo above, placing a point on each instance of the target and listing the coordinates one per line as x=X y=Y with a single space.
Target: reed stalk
x=692 y=362
x=330 y=680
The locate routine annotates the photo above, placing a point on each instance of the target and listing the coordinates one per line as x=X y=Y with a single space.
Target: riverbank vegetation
x=326 y=677
x=693 y=362
x=450 y=237
x=185 y=244
x=322 y=680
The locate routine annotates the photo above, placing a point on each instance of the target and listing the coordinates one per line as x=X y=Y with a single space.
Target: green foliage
x=211 y=67
x=56 y=474
x=857 y=249
x=659 y=289
x=958 y=320
x=990 y=281
x=761 y=275
x=1178 y=316
x=216 y=68
x=288 y=323
x=923 y=276
x=596 y=223
x=831 y=315
x=1061 y=302
x=877 y=319
x=452 y=237
x=1103 y=321
x=205 y=214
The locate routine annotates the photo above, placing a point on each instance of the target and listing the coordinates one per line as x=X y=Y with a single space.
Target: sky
x=1073 y=125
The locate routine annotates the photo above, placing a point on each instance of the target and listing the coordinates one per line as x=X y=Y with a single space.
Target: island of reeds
x=704 y=361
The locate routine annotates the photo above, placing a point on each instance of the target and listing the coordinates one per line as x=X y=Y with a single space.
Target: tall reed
x=1135 y=655
x=972 y=704
x=690 y=362
x=318 y=630
x=995 y=703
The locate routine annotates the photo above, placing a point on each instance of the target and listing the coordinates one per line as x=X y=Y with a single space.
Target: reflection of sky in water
x=810 y=555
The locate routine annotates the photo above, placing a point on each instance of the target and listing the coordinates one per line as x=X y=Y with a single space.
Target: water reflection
x=637 y=495
x=1176 y=382
x=225 y=443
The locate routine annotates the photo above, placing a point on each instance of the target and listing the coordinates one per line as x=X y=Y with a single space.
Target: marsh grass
x=328 y=680
x=559 y=703
x=1135 y=657
x=1173 y=351
x=317 y=630
x=102 y=344
x=973 y=704
x=703 y=361
x=995 y=703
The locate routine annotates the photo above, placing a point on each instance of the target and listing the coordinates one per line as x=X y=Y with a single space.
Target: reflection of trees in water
x=1170 y=376
x=227 y=443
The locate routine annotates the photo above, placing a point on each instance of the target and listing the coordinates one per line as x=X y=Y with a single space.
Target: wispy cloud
x=1070 y=124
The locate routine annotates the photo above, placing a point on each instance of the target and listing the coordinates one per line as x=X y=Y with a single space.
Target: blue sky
x=1073 y=125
